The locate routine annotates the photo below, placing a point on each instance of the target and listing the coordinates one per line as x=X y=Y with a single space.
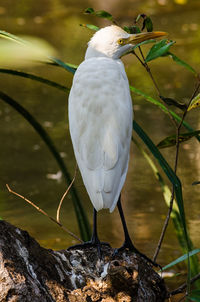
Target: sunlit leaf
x=23 y=54
x=90 y=26
x=132 y=29
x=6 y=35
x=195 y=102
x=172 y=102
x=181 y=62
x=139 y=17
x=171 y=140
x=181 y=2
x=180 y=259
x=159 y=49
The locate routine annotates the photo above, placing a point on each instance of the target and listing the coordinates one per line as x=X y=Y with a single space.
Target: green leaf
x=104 y=14
x=89 y=10
x=181 y=62
x=17 y=53
x=171 y=140
x=195 y=102
x=159 y=49
x=99 y=13
x=80 y=213
x=163 y=108
x=180 y=259
x=90 y=26
x=148 y=24
x=172 y=102
x=34 y=77
x=132 y=29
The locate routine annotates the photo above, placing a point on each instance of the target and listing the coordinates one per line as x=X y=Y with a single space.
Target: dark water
x=26 y=163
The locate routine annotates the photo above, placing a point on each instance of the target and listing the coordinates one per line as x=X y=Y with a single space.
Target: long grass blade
x=80 y=213
x=6 y=35
x=169 y=173
x=194 y=263
x=180 y=259
x=34 y=77
x=66 y=66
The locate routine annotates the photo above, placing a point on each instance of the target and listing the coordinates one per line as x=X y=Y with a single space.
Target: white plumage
x=100 y=116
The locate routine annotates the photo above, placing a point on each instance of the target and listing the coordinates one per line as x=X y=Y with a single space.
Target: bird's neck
x=91 y=52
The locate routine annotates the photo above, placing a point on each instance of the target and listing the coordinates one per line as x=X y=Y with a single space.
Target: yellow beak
x=137 y=38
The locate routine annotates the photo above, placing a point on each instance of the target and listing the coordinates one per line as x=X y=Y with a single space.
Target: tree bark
x=29 y=272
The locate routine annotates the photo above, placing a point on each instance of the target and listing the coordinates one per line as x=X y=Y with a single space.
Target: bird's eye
x=120 y=41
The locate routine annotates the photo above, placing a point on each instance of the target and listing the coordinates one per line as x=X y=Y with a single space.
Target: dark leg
x=94 y=242
x=128 y=244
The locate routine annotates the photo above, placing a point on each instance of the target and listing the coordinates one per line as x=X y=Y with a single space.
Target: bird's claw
x=129 y=246
x=94 y=242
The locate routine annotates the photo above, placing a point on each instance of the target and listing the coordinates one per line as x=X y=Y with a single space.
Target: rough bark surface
x=29 y=272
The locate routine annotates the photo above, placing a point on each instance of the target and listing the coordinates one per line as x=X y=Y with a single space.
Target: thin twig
x=64 y=195
x=146 y=66
x=183 y=298
x=44 y=213
x=181 y=288
x=164 y=226
x=178 y=128
x=149 y=71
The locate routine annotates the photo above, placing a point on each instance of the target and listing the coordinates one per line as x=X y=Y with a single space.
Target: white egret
x=100 y=119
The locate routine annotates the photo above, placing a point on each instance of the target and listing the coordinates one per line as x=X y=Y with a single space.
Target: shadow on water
x=28 y=167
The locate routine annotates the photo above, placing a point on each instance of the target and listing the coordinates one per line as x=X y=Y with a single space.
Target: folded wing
x=100 y=118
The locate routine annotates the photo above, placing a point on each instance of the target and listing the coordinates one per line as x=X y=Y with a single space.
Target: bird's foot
x=94 y=242
x=128 y=245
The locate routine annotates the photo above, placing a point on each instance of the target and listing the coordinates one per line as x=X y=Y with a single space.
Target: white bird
x=100 y=119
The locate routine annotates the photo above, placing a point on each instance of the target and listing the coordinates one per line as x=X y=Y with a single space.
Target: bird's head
x=112 y=41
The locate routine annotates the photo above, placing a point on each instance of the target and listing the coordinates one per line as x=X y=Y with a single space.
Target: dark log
x=29 y=272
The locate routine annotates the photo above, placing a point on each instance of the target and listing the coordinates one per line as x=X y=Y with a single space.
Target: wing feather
x=100 y=118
